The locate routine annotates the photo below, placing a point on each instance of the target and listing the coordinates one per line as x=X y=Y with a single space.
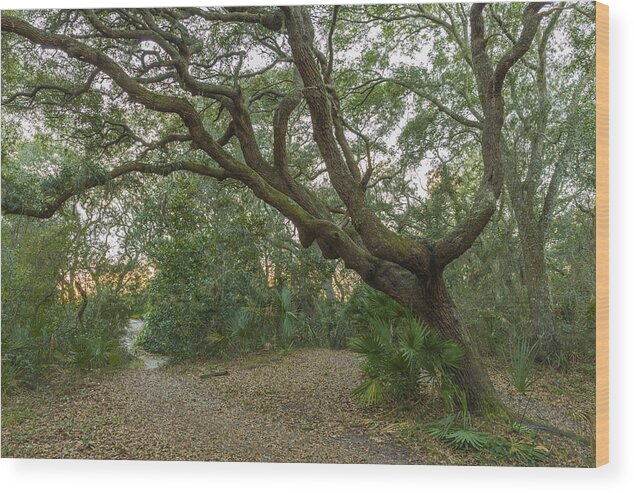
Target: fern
x=238 y=324
x=451 y=355
x=90 y=351
x=449 y=430
x=217 y=338
x=381 y=329
x=367 y=303
x=367 y=345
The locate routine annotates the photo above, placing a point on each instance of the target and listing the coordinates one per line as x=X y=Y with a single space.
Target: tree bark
x=542 y=321
x=430 y=301
x=438 y=311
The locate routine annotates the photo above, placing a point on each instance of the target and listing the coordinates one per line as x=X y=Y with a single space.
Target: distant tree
x=546 y=144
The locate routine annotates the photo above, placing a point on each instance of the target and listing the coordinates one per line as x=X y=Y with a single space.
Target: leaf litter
x=270 y=407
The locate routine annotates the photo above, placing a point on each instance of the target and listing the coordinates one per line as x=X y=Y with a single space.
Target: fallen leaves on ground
x=293 y=407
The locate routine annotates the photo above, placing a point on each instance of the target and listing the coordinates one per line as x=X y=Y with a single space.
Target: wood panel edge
x=602 y=235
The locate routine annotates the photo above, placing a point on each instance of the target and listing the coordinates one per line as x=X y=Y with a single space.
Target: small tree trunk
x=540 y=308
x=84 y=304
x=438 y=310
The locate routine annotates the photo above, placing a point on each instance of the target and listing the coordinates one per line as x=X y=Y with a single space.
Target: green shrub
x=522 y=361
x=457 y=431
x=96 y=341
x=492 y=328
x=367 y=303
x=11 y=376
x=90 y=351
x=238 y=335
x=467 y=439
x=286 y=316
x=400 y=357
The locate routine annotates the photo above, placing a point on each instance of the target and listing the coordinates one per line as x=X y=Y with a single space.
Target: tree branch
x=379 y=240
x=490 y=82
x=129 y=167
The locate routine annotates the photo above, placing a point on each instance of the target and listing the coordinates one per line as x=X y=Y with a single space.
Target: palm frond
x=522 y=359
x=370 y=392
x=467 y=439
x=366 y=345
x=439 y=429
x=412 y=341
x=381 y=328
x=528 y=453
x=451 y=355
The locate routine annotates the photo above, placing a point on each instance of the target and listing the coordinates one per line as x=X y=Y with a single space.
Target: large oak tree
x=253 y=95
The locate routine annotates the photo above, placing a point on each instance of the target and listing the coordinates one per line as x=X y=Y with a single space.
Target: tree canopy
x=381 y=134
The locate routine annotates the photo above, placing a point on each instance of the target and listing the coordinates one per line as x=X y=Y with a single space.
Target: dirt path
x=149 y=360
x=291 y=408
x=271 y=407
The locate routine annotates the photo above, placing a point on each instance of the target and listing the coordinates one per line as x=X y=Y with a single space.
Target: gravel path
x=291 y=408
